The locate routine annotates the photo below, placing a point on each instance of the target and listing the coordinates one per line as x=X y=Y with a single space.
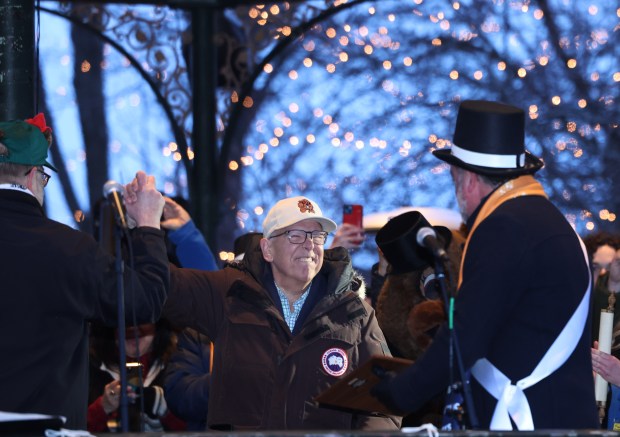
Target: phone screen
x=353 y=214
x=134 y=376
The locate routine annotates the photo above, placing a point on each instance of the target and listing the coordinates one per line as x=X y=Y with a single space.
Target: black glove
x=154 y=402
x=383 y=390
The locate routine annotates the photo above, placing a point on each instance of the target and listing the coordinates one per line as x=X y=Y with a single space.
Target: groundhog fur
x=406 y=317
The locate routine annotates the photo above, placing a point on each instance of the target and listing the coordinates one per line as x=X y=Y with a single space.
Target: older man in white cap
x=288 y=321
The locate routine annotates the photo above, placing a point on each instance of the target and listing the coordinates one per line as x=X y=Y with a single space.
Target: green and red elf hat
x=26 y=142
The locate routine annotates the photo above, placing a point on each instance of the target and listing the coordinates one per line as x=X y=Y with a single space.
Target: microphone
x=427 y=238
x=113 y=192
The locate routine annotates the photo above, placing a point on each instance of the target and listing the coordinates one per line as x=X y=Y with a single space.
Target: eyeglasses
x=46 y=177
x=297 y=236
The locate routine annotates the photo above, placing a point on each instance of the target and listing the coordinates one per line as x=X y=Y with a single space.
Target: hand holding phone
x=350 y=234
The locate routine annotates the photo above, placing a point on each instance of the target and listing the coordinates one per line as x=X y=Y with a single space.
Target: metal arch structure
x=18 y=77
x=246 y=91
x=19 y=87
x=179 y=136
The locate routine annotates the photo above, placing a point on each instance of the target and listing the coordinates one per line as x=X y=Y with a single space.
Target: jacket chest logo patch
x=335 y=361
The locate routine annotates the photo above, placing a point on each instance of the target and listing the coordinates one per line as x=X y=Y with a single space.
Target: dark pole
x=204 y=178
x=17 y=60
x=464 y=385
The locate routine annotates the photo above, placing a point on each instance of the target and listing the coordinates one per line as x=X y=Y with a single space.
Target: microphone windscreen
x=111 y=186
x=423 y=233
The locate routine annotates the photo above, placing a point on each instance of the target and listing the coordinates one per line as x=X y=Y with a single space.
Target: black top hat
x=397 y=241
x=489 y=139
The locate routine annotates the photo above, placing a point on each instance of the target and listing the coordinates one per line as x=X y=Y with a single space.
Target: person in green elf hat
x=24 y=146
x=55 y=280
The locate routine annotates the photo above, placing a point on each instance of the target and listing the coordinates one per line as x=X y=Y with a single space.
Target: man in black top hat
x=521 y=314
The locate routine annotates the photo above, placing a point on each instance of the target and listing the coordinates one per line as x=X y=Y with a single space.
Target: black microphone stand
x=120 y=267
x=455 y=351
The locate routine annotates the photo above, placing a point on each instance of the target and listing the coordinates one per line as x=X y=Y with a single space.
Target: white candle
x=604 y=344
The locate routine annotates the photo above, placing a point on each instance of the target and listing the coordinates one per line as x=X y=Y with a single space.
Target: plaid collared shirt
x=291 y=316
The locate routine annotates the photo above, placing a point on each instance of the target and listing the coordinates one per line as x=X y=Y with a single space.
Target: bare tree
x=344 y=101
x=383 y=88
x=88 y=83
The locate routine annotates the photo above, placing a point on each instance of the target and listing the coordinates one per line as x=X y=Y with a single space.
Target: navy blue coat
x=187 y=379
x=523 y=277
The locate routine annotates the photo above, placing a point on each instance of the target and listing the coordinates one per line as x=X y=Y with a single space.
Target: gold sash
x=521 y=186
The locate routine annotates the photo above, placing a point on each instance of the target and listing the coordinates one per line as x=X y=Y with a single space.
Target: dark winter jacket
x=523 y=278
x=264 y=377
x=188 y=378
x=54 y=280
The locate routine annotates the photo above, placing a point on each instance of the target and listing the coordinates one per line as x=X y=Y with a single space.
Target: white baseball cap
x=292 y=210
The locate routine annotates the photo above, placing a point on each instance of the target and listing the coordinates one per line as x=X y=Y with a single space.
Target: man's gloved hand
x=383 y=390
x=154 y=402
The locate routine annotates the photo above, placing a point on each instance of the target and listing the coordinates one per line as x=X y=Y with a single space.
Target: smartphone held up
x=353 y=214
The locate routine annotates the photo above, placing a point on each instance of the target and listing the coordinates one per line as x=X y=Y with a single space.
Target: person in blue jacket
x=521 y=315
x=188 y=371
x=188 y=377
x=187 y=247
x=190 y=247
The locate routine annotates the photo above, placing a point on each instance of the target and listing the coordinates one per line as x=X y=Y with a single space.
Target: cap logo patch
x=305 y=206
x=335 y=361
